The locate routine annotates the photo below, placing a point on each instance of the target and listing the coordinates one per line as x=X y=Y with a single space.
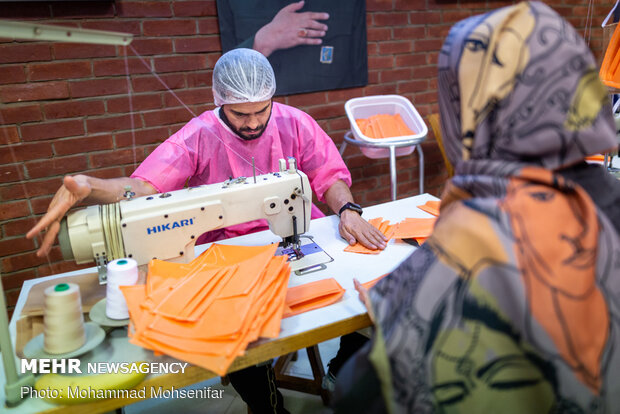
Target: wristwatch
x=351 y=206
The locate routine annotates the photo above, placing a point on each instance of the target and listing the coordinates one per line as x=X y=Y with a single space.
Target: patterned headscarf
x=519 y=84
x=513 y=303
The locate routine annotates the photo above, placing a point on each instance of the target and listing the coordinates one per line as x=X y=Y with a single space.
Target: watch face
x=351 y=206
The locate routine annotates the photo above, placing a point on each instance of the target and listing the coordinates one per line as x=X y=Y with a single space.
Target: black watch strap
x=351 y=206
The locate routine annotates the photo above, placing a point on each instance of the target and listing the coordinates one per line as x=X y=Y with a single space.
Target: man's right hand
x=74 y=190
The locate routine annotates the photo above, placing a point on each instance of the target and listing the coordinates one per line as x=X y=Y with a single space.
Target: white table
x=297 y=332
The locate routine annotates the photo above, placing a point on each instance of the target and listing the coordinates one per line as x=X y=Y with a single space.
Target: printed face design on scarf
x=491 y=59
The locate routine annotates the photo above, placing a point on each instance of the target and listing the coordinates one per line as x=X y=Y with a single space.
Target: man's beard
x=241 y=131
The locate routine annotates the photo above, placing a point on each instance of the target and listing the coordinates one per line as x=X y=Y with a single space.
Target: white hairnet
x=242 y=75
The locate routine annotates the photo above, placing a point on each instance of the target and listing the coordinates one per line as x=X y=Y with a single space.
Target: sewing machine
x=166 y=226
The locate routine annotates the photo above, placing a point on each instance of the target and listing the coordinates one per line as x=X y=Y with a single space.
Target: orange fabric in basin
x=383 y=126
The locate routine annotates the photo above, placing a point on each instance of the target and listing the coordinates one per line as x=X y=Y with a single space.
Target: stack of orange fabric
x=383 y=226
x=384 y=126
x=206 y=312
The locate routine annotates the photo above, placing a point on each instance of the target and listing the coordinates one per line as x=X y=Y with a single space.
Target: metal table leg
x=421 y=165
x=393 y=171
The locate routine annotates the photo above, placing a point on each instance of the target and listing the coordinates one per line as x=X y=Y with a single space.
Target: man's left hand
x=353 y=228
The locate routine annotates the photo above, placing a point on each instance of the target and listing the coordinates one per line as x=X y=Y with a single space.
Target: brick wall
x=64 y=108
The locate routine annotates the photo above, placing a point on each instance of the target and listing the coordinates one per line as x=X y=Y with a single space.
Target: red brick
x=83 y=144
x=439 y=31
x=425 y=72
x=208 y=26
x=453 y=16
x=29 y=189
x=326 y=111
x=112 y=158
x=376 y=34
x=410 y=60
x=152 y=46
x=111 y=67
x=17 y=227
x=431 y=58
x=14 y=209
x=180 y=63
x=379 y=5
x=373 y=77
x=120 y=26
x=344 y=94
x=428 y=18
x=80 y=50
x=198 y=79
x=134 y=103
x=114 y=172
x=197 y=44
x=390 y=19
x=381 y=89
x=380 y=62
x=25 y=152
x=27 y=260
x=12 y=74
x=15 y=245
x=412 y=86
x=144 y=9
x=73 y=109
x=176 y=27
x=56 y=166
x=150 y=83
x=16 y=114
x=409 y=33
x=61 y=267
x=194 y=8
x=365 y=184
x=141 y=137
x=166 y=117
x=427 y=45
x=339 y=124
x=25 y=52
x=98 y=87
x=11 y=173
x=410 y=5
x=112 y=123
x=47 y=130
x=188 y=97
x=16 y=280
x=39 y=91
x=394 y=75
x=82 y=10
x=211 y=59
x=9 y=135
x=389 y=48
x=422 y=98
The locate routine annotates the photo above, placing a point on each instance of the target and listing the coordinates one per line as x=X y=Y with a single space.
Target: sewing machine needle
x=254 y=170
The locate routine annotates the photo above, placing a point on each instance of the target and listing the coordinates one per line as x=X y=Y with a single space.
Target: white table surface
x=344 y=268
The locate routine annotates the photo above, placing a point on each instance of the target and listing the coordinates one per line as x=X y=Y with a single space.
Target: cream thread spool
x=63 y=320
x=121 y=272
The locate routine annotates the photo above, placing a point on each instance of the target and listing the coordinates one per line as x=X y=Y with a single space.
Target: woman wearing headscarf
x=512 y=305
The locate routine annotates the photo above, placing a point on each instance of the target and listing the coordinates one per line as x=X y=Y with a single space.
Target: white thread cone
x=121 y=272
x=63 y=320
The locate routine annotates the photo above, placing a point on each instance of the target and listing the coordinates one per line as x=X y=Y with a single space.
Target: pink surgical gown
x=195 y=155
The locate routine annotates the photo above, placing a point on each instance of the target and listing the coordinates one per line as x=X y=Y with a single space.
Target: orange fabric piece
x=431 y=207
x=383 y=126
x=412 y=228
x=383 y=226
x=597 y=157
x=314 y=295
x=609 y=73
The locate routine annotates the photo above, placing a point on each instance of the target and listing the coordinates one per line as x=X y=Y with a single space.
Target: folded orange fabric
x=431 y=207
x=383 y=226
x=413 y=228
x=314 y=295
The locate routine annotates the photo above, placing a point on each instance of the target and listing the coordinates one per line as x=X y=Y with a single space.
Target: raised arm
x=82 y=188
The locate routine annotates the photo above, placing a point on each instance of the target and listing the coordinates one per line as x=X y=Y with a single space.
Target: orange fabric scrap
x=383 y=126
x=431 y=207
x=413 y=228
x=314 y=295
